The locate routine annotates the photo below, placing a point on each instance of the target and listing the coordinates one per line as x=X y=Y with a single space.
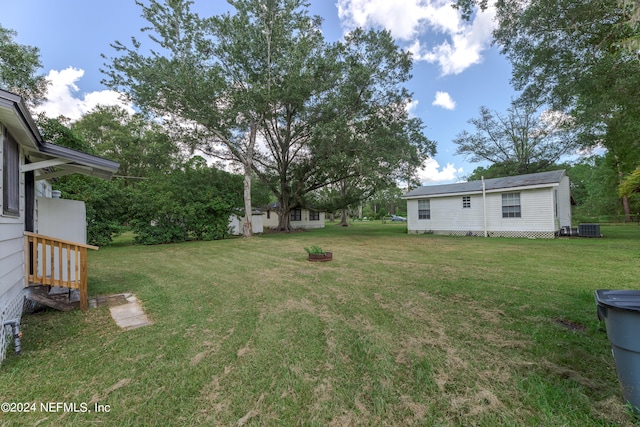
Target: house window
x=511 y=205
x=268 y=214
x=466 y=201
x=10 y=176
x=424 y=209
x=296 y=215
x=314 y=216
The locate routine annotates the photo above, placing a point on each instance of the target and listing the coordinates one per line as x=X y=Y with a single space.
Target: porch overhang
x=54 y=161
x=51 y=160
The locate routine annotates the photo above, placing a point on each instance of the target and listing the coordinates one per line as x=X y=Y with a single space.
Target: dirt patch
x=108 y=300
x=570 y=374
x=573 y=326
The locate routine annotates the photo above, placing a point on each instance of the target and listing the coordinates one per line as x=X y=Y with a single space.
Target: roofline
x=495 y=190
x=79 y=156
x=103 y=167
x=12 y=100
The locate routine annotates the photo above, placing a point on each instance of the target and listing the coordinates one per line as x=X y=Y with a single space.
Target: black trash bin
x=620 y=311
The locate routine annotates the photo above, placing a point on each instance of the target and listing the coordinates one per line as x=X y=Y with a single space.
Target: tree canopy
x=262 y=87
x=140 y=146
x=19 y=65
x=518 y=142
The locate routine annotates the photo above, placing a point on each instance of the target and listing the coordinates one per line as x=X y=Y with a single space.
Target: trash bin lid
x=624 y=299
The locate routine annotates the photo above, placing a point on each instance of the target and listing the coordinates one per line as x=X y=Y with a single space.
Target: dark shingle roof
x=533 y=179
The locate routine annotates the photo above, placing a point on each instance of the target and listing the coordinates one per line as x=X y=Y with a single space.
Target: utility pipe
x=484 y=206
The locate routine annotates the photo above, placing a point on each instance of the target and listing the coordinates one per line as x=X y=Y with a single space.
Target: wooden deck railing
x=55 y=262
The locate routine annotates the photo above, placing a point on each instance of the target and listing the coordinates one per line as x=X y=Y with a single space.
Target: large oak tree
x=262 y=87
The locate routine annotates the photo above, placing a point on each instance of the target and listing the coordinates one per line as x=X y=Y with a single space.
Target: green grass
x=397 y=330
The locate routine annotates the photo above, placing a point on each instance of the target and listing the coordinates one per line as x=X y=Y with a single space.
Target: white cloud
x=64 y=99
x=443 y=99
x=431 y=173
x=412 y=21
x=412 y=107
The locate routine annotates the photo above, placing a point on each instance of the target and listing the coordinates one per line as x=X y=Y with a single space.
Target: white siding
x=564 y=202
x=271 y=220
x=12 y=269
x=306 y=223
x=236 y=224
x=537 y=207
x=11 y=241
x=448 y=216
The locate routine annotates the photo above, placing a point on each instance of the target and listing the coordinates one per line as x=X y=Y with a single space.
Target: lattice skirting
x=480 y=233
x=12 y=310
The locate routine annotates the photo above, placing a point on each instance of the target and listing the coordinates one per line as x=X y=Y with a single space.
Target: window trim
x=10 y=176
x=466 y=202
x=314 y=215
x=509 y=208
x=424 y=212
x=295 y=215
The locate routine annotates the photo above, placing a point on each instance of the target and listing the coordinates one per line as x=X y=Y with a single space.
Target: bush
x=106 y=204
x=190 y=203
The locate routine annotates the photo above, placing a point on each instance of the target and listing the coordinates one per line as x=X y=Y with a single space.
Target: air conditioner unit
x=589 y=230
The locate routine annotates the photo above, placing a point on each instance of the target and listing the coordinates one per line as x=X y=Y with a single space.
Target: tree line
x=580 y=62
x=308 y=121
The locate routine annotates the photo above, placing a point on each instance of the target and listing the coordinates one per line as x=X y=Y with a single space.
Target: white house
x=300 y=217
x=535 y=205
x=42 y=240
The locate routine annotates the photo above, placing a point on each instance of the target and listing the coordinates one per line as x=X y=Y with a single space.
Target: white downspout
x=484 y=207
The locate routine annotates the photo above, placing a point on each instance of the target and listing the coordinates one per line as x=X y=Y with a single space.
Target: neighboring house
x=535 y=205
x=299 y=217
x=42 y=240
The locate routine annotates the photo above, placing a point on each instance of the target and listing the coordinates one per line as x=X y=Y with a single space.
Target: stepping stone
x=130 y=315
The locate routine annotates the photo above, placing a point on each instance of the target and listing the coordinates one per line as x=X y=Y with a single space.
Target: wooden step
x=56 y=298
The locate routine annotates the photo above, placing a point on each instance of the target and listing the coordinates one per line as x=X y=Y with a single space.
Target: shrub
x=190 y=203
x=106 y=204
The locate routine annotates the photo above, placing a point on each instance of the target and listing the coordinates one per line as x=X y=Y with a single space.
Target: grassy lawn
x=397 y=330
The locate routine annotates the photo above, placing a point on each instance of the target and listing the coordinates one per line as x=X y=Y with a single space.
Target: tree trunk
x=627 y=209
x=343 y=191
x=343 y=221
x=625 y=200
x=284 y=215
x=247 y=228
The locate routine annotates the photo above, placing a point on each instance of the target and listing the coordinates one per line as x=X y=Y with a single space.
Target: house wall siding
x=12 y=270
x=564 y=202
x=272 y=220
x=449 y=217
x=11 y=239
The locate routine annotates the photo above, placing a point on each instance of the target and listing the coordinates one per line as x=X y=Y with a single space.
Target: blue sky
x=456 y=70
